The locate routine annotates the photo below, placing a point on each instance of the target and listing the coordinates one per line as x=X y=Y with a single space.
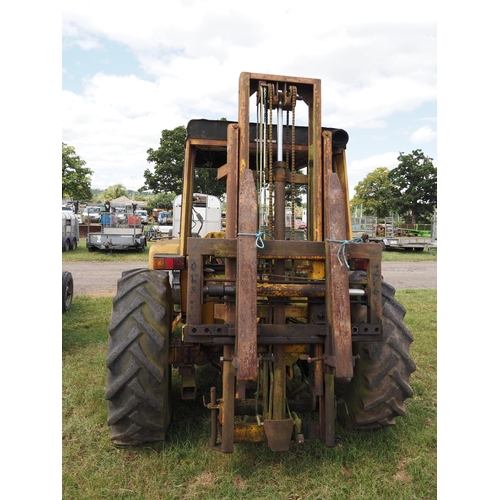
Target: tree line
x=409 y=190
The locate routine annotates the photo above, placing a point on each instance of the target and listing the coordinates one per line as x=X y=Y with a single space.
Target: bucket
x=278 y=433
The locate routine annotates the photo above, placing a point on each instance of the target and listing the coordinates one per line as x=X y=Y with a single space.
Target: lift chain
x=270 y=161
x=293 y=91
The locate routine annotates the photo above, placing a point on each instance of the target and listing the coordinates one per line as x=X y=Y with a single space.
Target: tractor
x=300 y=324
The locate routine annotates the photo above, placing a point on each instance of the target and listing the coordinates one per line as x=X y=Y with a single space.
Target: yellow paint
x=170 y=247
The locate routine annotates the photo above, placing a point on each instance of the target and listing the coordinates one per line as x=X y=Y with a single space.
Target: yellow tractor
x=300 y=323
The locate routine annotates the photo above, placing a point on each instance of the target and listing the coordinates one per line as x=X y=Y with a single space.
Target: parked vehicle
x=115 y=236
x=121 y=215
x=70 y=231
x=92 y=214
x=300 y=224
x=206 y=215
x=143 y=215
x=67 y=290
x=391 y=235
x=165 y=218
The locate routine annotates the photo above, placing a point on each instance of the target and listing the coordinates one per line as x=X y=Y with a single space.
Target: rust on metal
x=194 y=288
x=279 y=433
x=339 y=342
x=227 y=410
x=279 y=382
x=257 y=311
x=249 y=433
x=246 y=291
x=187 y=201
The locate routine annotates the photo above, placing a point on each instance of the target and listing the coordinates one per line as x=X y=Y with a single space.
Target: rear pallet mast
x=260 y=340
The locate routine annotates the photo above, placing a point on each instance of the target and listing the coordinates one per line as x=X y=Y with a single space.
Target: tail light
x=169 y=262
x=358 y=264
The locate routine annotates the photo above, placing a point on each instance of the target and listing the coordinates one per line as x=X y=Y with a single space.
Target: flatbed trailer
x=392 y=235
x=117 y=237
x=415 y=243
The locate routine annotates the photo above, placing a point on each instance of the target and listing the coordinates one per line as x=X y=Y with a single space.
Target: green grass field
x=395 y=463
x=82 y=254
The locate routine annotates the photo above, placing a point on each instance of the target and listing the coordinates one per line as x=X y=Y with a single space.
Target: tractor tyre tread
x=138 y=375
x=67 y=290
x=381 y=382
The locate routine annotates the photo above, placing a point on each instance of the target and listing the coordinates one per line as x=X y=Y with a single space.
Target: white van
x=143 y=214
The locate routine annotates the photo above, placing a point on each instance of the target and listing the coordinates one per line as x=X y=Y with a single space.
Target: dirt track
x=99 y=278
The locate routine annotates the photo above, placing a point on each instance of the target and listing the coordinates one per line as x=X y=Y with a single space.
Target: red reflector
x=169 y=262
x=359 y=264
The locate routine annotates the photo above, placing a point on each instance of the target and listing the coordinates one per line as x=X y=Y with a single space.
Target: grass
x=394 y=463
x=81 y=254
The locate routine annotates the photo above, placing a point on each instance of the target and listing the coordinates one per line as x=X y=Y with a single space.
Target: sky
x=128 y=73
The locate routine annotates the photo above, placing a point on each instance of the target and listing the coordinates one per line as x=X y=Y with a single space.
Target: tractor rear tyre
x=138 y=385
x=375 y=396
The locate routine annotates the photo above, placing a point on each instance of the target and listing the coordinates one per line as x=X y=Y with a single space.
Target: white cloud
x=363 y=167
x=423 y=135
x=192 y=51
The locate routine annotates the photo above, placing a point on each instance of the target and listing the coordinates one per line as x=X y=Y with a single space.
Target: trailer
x=70 y=231
x=206 y=218
x=392 y=235
x=206 y=215
x=415 y=243
x=114 y=235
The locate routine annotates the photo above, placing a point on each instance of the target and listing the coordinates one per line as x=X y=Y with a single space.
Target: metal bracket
x=327 y=359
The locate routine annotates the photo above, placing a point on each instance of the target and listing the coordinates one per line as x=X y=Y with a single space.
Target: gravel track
x=99 y=278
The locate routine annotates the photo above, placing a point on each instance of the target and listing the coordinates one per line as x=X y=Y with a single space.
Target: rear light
x=169 y=262
x=359 y=264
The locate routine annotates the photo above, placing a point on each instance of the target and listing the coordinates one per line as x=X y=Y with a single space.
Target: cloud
x=190 y=54
x=423 y=135
x=363 y=167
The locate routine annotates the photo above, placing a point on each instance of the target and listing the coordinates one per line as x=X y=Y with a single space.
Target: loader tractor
x=299 y=323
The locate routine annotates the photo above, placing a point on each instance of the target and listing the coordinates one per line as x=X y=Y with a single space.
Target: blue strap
x=341 y=255
x=258 y=238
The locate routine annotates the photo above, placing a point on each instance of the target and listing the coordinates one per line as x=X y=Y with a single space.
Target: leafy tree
x=96 y=194
x=374 y=193
x=162 y=200
x=415 y=179
x=75 y=176
x=113 y=192
x=168 y=172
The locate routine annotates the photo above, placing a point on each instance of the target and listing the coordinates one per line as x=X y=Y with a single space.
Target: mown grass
x=396 y=463
x=81 y=254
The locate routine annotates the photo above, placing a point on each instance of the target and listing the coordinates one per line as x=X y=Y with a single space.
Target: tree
x=415 y=179
x=374 y=193
x=113 y=192
x=75 y=176
x=162 y=200
x=168 y=172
